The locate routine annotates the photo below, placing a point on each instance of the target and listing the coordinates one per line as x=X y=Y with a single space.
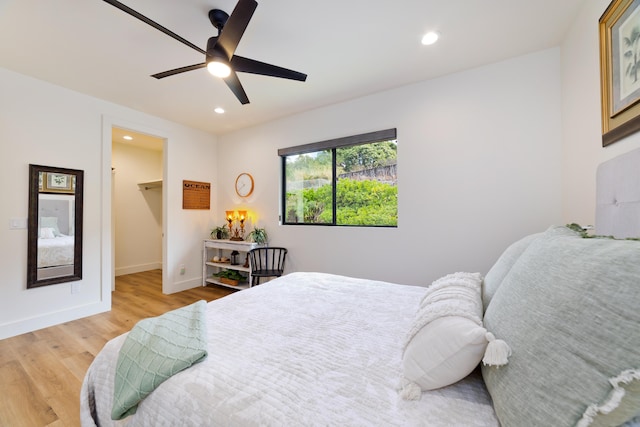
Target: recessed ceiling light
x=127 y=137
x=219 y=110
x=430 y=38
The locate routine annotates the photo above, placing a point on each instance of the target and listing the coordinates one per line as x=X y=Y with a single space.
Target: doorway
x=137 y=162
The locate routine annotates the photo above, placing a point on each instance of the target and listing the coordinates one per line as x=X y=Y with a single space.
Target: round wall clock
x=244 y=185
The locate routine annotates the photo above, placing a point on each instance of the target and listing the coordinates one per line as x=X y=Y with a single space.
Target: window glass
x=309 y=183
x=349 y=181
x=367 y=191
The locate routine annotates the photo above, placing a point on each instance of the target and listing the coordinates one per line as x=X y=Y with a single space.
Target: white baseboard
x=120 y=271
x=183 y=285
x=23 y=326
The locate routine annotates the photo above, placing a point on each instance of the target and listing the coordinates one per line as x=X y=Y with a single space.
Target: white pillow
x=443 y=352
x=50 y=222
x=446 y=341
x=47 y=233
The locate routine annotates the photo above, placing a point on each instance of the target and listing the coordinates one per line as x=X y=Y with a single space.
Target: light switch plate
x=17 y=223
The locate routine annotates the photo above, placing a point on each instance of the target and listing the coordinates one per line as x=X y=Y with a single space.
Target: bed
x=548 y=337
x=56 y=243
x=55 y=251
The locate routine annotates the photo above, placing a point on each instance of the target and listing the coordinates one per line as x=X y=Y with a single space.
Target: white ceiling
x=140 y=140
x=348 y=49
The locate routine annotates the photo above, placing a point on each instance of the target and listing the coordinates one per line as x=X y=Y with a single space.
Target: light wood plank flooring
x=41 y=372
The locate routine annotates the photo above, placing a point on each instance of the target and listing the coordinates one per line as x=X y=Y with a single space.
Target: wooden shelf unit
x=223 y=248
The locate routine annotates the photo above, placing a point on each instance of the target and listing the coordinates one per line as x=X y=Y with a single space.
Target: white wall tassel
x=497 y=352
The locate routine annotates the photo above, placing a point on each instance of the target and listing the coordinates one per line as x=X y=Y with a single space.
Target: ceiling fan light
x=219 y=69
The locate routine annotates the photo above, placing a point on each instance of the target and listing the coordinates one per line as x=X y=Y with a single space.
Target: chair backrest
x=268 y=258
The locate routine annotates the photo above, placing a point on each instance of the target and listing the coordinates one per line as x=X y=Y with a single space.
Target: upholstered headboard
x=618 y=196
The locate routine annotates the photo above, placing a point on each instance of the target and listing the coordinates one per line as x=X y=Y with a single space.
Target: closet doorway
x=137 y=201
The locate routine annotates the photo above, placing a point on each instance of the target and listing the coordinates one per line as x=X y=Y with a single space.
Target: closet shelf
x=148 y=185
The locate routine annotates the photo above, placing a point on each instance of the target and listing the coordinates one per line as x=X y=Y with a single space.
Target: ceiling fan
x=220 y=59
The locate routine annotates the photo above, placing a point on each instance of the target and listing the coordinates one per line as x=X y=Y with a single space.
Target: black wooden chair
x=266 y=262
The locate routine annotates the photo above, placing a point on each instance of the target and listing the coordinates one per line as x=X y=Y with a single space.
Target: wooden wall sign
x=196 y=195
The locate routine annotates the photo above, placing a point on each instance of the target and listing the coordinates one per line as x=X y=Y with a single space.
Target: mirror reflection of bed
x=56 y=235
x=54 y=249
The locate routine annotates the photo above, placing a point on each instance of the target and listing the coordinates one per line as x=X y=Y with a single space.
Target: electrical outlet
x=75 y=288
x=182 y=269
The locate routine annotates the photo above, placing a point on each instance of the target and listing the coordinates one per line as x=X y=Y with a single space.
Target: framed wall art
x=620 y=70
x=196 y=195
x=57 y=183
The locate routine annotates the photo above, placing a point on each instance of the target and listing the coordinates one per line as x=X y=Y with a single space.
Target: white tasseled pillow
x=447 y=340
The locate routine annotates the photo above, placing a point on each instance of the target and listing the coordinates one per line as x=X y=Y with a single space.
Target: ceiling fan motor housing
x=218 y=18
x=214 y=51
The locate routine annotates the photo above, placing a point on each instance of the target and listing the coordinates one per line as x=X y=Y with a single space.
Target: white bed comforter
x=56 y=251
x=307 y=349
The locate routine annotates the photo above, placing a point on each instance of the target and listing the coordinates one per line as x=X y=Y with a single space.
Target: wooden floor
x=41 y=372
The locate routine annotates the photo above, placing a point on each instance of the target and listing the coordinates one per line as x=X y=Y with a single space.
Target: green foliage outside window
x=366 y=156
x=363 y=196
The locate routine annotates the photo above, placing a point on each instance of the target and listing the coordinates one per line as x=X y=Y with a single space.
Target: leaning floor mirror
x=54 y=251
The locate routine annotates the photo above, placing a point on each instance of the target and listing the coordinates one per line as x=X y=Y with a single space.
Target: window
x=347 y=181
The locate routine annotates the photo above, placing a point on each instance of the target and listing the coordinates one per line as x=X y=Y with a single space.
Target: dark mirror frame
x=32 y=234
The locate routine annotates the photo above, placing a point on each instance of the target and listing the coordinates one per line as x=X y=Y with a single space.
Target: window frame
x=329 y=145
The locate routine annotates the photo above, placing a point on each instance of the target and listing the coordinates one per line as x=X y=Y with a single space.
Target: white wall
x=479 y=165
x=190 y=155
x=582 y=128
x=137 y=211
x=45 y=124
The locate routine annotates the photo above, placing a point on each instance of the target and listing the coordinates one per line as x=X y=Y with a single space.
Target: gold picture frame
x=619 y=29
x=57 y=183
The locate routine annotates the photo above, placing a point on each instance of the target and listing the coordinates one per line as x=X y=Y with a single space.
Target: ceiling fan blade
x=154 y=24
x=236 y=87
x=246 y=65
x=235 y=26
x=179 y=70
